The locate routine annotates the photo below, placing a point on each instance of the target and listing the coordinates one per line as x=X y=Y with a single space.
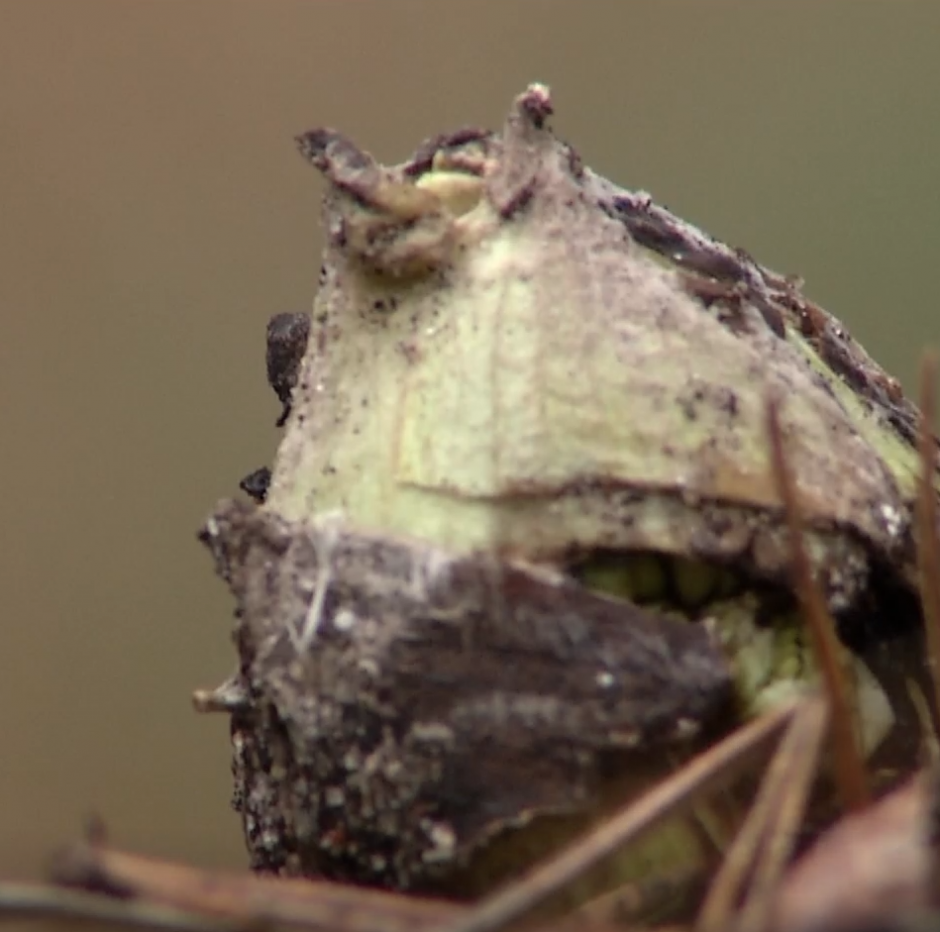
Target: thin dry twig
x=928 y=564
x=786 y=816
x=928 y=548
x=881 y=865
x=676 y=793
x=766 y=835
x=246 y=898
x=850 y=773
x=38 y=901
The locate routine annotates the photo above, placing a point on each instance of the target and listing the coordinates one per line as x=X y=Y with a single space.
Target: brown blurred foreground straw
x=850 y=774
x=21 y=901
x=928 y=549
x=763 y=845
x=143 y=892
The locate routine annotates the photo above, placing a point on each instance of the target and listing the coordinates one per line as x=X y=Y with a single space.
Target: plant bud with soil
x=522 y=549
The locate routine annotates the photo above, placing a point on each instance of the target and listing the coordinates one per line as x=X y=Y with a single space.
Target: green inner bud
x=693 y=581
x=637 y=577
x=771 y=659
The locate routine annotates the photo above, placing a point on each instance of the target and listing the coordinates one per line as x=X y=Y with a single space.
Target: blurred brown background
x=154 y=213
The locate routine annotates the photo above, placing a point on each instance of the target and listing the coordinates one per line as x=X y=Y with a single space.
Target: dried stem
x=242 y=899
x=928 y=549
x=928 y=565
x=849 y=763
x=769 y=827
x=787 y=809
x=36 y=901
